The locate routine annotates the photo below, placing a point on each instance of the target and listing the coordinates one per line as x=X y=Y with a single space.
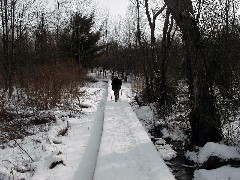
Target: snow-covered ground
x=218 y=150
x=222 y=173
x=146 y=116
x=126 y=151
x=75 y=152
x=174 y=128
x=48 y=155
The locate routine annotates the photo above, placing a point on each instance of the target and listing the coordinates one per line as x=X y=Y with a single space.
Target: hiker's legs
x=116 y=94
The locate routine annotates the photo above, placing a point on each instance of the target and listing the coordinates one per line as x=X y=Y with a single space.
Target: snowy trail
x=88 y=163
x=106 y=142
x=126 y=152
x=80 y=147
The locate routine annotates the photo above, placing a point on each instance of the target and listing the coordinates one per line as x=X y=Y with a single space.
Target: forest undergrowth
x=171 y=123
x=28 y=109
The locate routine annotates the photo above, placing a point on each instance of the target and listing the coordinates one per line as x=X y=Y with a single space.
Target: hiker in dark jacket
x=116 y=86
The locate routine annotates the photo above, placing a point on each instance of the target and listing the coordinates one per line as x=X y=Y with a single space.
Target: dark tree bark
x=5 y=41
x=12 y=52
x=165 y=51
x=155 y=75
x=204 y=119
x=143 y=51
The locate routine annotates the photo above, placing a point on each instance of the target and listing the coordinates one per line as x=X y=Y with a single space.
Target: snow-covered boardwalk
x=126 y=152
x=105 y=142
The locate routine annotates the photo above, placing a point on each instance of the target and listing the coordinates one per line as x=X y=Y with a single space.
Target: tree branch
x=159 y=12
x=23 y=150
x=148 y=14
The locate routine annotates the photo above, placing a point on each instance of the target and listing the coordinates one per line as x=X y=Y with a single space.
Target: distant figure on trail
x=116 y=86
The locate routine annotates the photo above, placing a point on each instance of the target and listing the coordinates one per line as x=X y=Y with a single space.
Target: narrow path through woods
x=126 y=152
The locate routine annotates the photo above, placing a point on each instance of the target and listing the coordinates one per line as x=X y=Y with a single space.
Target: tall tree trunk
x=163 y=60
x=144 y=53
x=155 y=75
x=204 y=119
x=12 y=58
x=6 y=63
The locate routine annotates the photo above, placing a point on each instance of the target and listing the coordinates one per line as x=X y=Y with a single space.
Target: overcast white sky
x=115 y=6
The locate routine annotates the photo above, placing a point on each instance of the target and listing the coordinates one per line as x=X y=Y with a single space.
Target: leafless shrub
x=50 y=83
x=18 y=125
x=42 y=87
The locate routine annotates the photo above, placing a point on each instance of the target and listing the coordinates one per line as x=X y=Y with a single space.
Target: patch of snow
x=192 y=156
x=144 y=113
x=220 y=150
x=146 y=116
x=165 y=150
x=222 y=173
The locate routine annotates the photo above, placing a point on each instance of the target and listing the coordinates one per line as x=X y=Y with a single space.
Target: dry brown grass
x=50 y=83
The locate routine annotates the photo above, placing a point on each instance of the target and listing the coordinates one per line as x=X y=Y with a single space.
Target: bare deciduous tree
x=204 y=118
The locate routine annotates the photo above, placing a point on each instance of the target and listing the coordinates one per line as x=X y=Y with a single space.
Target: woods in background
x=197 y=42
x=163 y=43
x=44 y=54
